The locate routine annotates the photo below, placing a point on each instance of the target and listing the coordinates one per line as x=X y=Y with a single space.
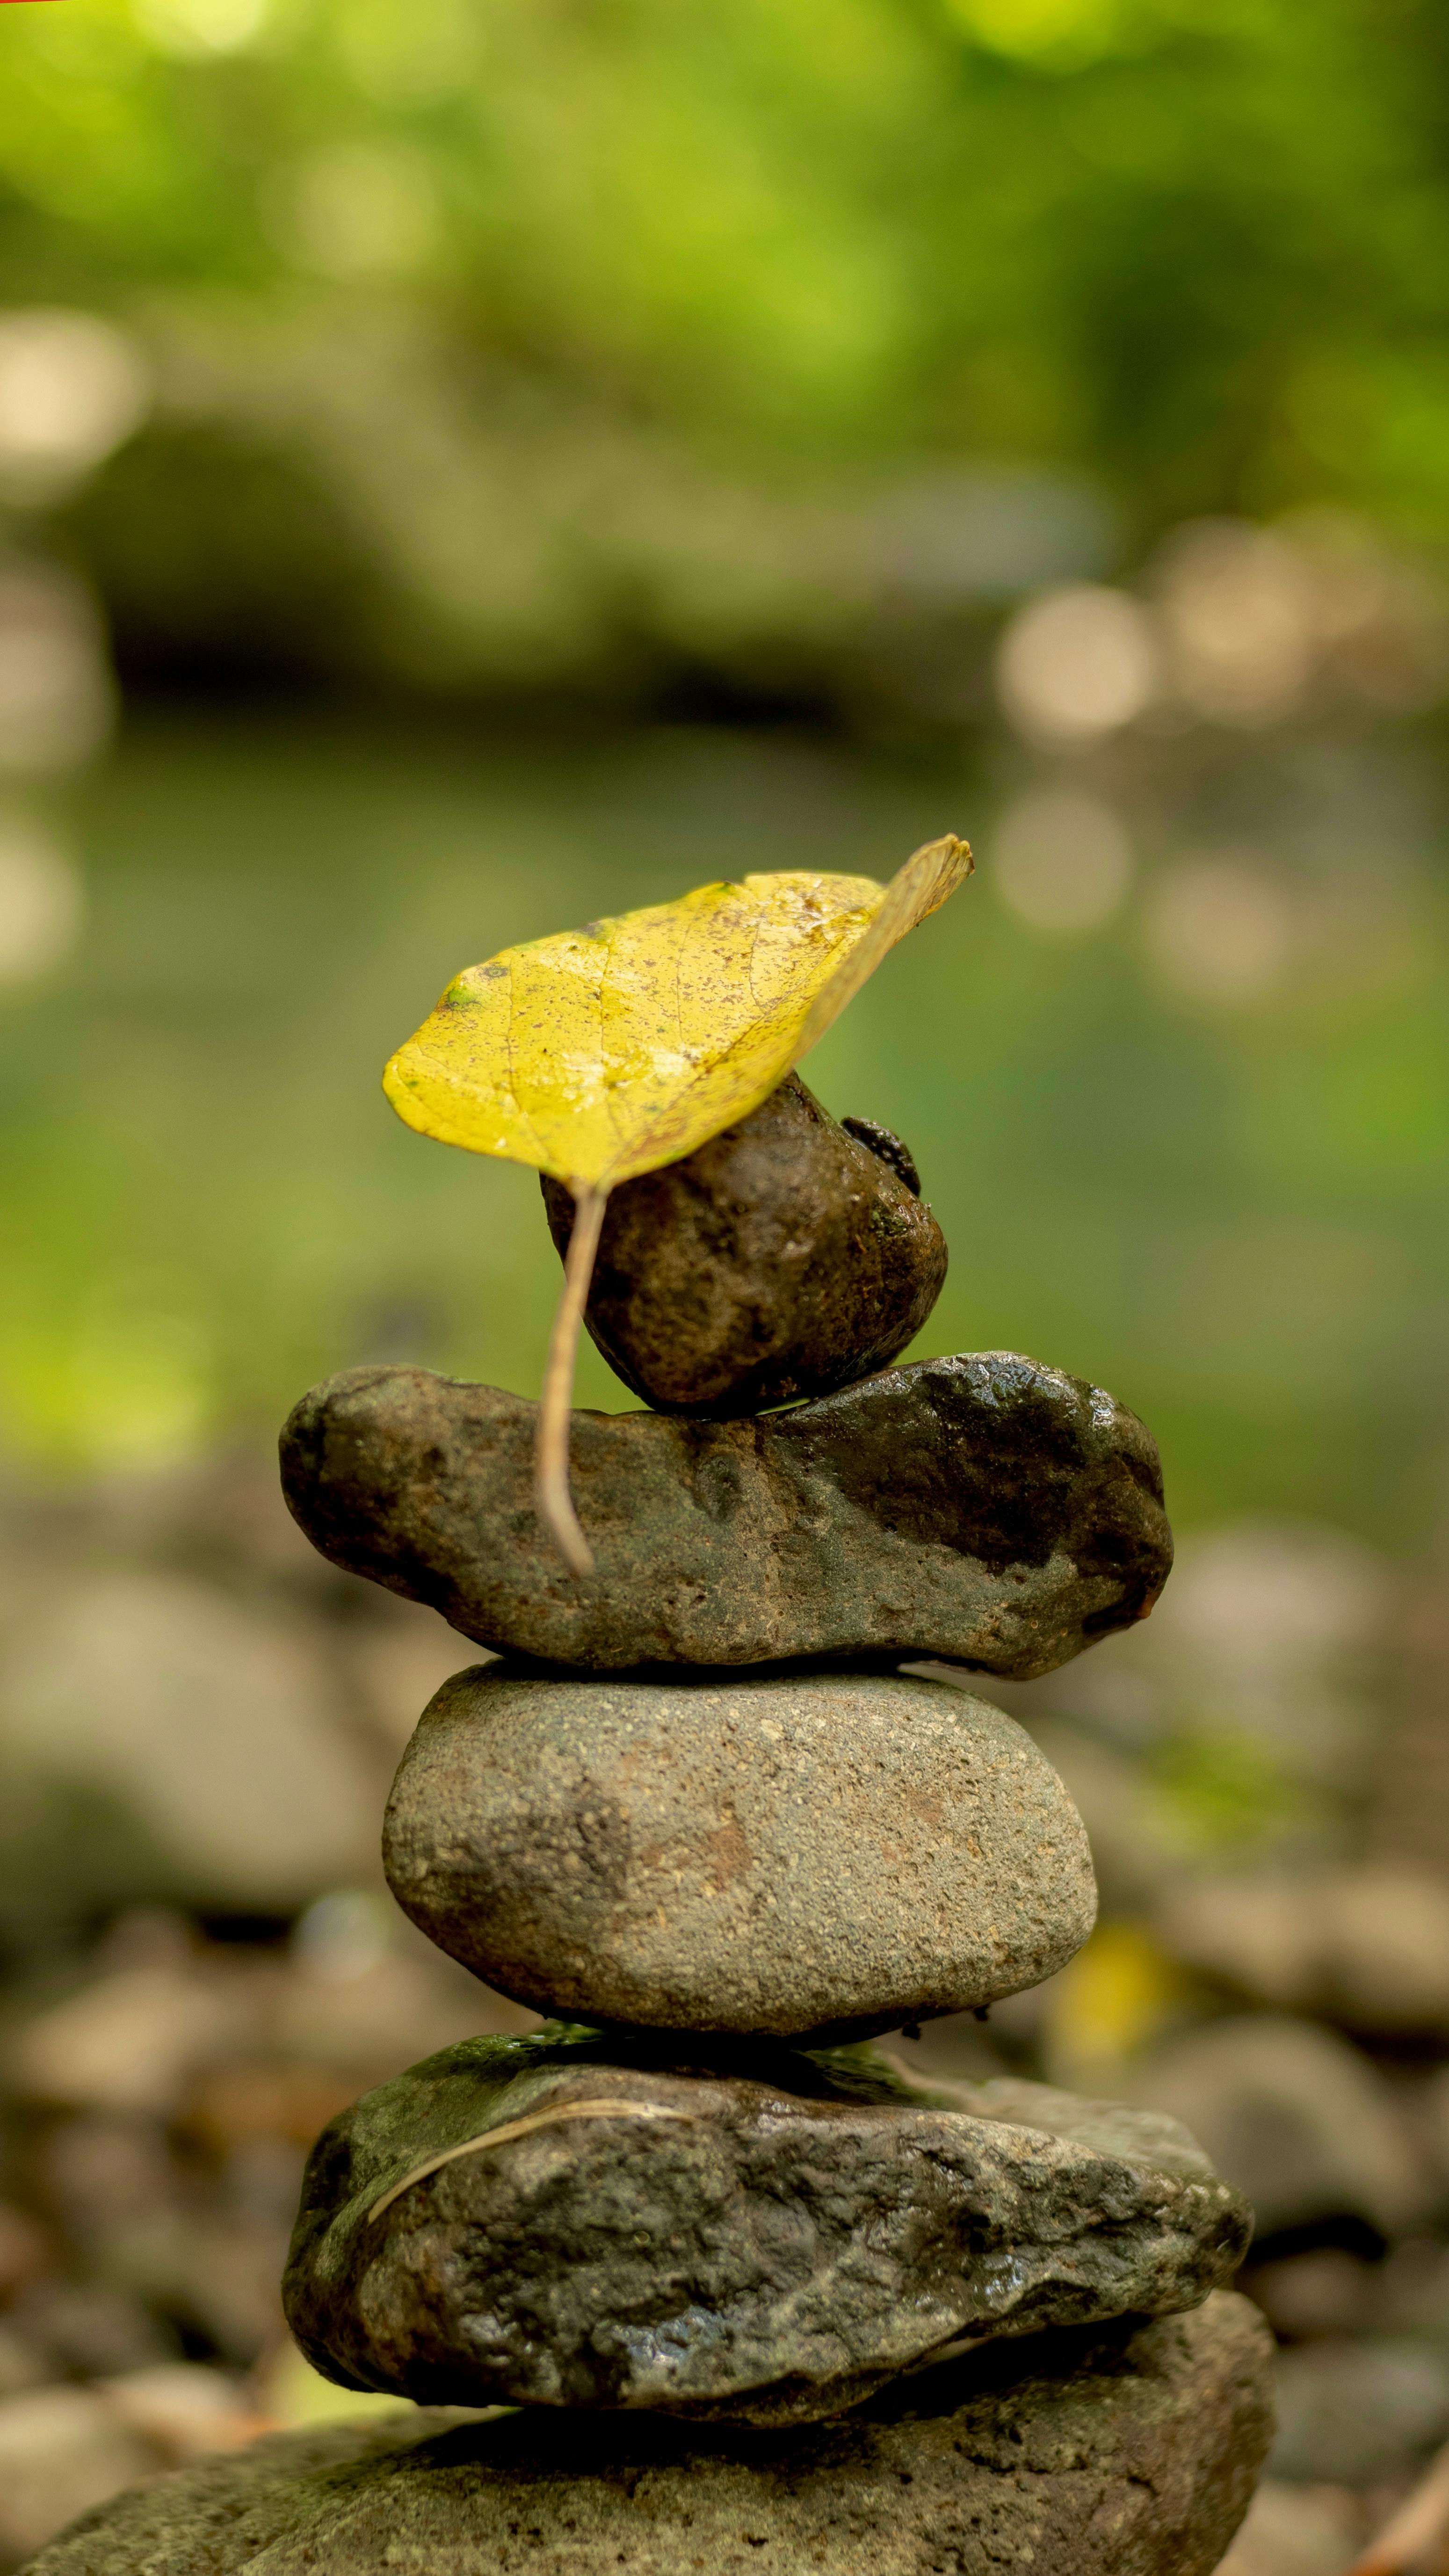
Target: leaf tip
x=396 y=1089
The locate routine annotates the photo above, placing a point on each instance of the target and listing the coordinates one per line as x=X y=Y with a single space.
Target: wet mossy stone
x=753 y=2234
x=786 y=1257
x=816 y=1855
x=1130 y=2450
x=986 y=1510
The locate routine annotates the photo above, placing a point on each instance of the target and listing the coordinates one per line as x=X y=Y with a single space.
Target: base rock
x=985 y=1509
x=764 y=2245
x=1130 y=2452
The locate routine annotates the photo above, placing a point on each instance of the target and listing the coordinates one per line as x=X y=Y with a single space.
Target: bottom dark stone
x=1118 y=2452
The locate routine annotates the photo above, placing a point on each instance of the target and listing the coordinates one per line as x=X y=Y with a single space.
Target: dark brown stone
x=757 y=2235
x=986 y=1510
x=1130 y=2451
x=784 y=1258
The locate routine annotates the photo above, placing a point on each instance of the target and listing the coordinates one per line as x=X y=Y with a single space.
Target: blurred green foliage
x=210 y=1204
x=603 y=348
x=1221 y=1790
x=1200 y=247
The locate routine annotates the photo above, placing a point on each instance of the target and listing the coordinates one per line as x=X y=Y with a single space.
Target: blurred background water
x=464 y=470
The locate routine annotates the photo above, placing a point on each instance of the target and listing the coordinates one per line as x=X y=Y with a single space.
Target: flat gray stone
x=821 y=1855
x=987 y=1510
x=759 y=2236
x=1129 y=2452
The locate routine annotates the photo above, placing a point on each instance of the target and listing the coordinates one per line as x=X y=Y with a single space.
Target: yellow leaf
x=602 y=1053
x=295 y=2394
x=1116 y=1996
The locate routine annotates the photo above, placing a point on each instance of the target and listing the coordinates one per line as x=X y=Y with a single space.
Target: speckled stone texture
x=1130 y=2452
x=762 y=2238
x=987 y=1510
x=782 y=1259
x=821 y=1855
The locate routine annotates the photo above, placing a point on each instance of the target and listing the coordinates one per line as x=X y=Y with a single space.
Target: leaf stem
x=609 y=2109
x=551 y=1457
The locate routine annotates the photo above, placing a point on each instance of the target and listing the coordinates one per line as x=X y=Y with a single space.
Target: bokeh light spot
x=1219 y=928
x=1061 y=861
x=42 y=902
x=1077 y=30
x=1077 y=663
x=356 y=210
x=1238 y=608
x=72 y=387
x=192 y=29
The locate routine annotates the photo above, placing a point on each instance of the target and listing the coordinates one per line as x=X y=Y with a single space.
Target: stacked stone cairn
x=763 y=2302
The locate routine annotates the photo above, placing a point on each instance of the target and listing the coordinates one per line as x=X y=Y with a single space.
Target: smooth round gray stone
x=820 y=1856
x=1129 y=2452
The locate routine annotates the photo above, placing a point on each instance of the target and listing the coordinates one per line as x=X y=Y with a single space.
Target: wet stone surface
x=986 y=1509
x=784 y=1258
x=1129 y=2452
x=756 y=2235
x=815 y=1854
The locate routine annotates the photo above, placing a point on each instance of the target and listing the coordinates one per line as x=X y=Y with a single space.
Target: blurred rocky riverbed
x=198 y=1723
